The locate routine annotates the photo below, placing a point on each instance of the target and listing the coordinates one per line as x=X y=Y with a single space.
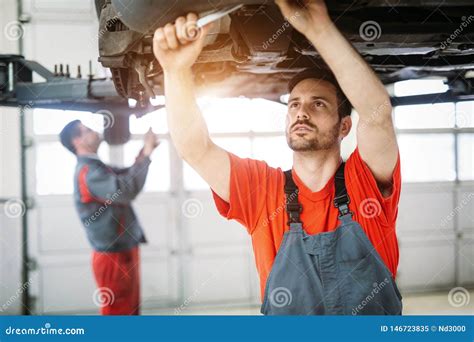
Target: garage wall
x=436 y=236
x=10 y=225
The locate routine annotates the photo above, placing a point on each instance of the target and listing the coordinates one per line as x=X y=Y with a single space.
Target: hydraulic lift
x=61 y=91
x=99 y=95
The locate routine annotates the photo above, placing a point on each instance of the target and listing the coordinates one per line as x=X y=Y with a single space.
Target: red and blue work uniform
x=103 y=197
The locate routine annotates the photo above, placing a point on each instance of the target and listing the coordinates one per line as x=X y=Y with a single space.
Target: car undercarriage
x=254 y=50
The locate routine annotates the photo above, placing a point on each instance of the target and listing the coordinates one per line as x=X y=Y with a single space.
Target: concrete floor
x=435 y=303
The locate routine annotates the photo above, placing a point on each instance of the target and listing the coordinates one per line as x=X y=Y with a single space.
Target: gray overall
x=332 y=273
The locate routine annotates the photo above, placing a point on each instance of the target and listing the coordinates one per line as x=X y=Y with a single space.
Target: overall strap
x=293 y=206
x=341 y=199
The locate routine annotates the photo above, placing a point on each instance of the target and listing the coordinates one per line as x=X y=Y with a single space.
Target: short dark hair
x=69 y=132
x=343 y=104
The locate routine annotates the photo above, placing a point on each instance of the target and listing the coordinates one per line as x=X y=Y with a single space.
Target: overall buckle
x=342 y=204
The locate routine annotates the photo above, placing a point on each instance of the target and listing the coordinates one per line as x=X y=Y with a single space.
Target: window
x=273 y=150
x=239 y=146
x=466 y=151
x=465 y=114
x=158 y=178
x=428 y=154
x=427 y=157
x=226 y=115
x=267 y=116
x=248 y=117
x=233 y=115
x=54 y=164
x=440 y=115
x=55 y=168
x=48 y=121
x=156 y=120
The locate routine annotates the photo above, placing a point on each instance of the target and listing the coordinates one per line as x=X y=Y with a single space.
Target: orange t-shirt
x=257 y=201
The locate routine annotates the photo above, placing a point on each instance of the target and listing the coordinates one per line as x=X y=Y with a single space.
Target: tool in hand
x=192 y=32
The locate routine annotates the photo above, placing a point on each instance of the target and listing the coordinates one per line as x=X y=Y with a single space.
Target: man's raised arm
x=375 y=133
x=176 y=54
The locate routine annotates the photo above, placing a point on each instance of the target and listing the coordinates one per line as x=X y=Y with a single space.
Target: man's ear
x=346 y=125
x=76 y=141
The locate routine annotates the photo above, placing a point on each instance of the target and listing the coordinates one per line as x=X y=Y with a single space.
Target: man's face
x=312 y=121
x=89 y=140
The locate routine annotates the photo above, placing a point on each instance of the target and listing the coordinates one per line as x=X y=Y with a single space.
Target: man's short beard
x=325 y=141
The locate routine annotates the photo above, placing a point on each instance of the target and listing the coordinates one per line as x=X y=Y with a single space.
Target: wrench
x=209 y=18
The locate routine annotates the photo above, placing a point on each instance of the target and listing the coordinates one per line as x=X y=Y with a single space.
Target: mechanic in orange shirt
x=323 y=233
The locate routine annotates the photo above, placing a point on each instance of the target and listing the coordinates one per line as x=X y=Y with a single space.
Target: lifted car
x=254 y=51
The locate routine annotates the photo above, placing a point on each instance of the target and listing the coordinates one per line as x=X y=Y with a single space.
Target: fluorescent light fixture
x=420 y=87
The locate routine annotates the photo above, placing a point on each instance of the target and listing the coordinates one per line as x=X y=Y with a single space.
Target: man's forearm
x=357 y=79
x=186 y=123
